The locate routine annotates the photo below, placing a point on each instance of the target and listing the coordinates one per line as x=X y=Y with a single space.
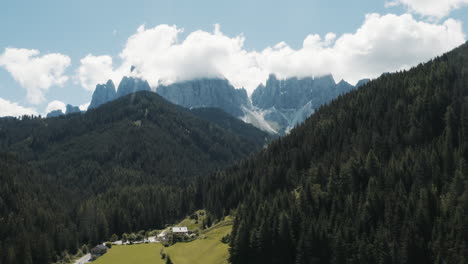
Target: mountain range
x=287 y=103
x=275 y=107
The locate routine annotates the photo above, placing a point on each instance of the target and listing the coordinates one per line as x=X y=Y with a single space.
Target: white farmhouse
x=180 y=230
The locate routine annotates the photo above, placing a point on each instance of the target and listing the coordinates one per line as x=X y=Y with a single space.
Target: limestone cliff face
x=288 y=102
x=206 y=93
x=130 y=85
x=104 y=93
x=293 y=93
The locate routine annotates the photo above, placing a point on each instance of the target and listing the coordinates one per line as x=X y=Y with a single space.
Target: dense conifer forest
x=126 y=166
x=379 y=175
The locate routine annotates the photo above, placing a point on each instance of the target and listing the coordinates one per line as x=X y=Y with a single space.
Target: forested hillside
x=133 y=140
x=34 y=215
x=230 y=123
x=379 y=175
x=125 y=166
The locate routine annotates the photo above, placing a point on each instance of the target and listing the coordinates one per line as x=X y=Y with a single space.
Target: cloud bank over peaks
x=94 y=70
x=431 y=8
x=383 y=43
x=33 y=72
x=160 y=58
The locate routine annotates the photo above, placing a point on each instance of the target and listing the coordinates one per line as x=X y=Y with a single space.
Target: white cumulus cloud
x=8 y=108
x=431 y=8
x=160 y=58
x=56 y=105
x=95 y=70
x=383 y=43
x=34 y=72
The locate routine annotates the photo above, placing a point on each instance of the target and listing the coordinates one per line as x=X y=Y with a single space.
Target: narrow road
x=84 y=259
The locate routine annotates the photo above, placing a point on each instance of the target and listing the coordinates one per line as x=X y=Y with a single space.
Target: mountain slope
x=377 y=176
x=142 y=133
x=236 y=126
x=30 y=208
x=125 y=166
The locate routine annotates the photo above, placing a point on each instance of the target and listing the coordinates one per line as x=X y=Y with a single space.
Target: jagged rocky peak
x=106 y=92
x=343 y=87
x=103 y=94
x=55 y=113
x=72 y=109
x=343 y=82
x=130 y=85
x=325 y=80
x=206 y=92
x=288 y=102
x=291 y=93
x=272 y=80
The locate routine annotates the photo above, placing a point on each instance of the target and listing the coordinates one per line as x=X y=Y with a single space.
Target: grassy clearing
x=207 y=249
x=134 y=254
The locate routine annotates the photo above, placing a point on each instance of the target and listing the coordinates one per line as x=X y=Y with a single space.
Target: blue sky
x=76 y=29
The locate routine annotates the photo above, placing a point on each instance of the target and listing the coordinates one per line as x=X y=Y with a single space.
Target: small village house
x=180 y=230
x=98 y=251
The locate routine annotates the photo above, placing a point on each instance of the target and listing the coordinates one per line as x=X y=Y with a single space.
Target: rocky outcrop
x=293 y=93
x=130 y=85
x=72 y=109
x=288 y=102
x=55 y=113
x=300 y=116
x=217 y=93
x=104 y=93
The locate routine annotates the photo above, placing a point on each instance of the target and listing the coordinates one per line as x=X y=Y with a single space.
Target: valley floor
x=207 y=249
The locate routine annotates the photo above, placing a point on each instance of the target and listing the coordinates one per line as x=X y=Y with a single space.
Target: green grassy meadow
x=207 y=249
x=132 y=254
